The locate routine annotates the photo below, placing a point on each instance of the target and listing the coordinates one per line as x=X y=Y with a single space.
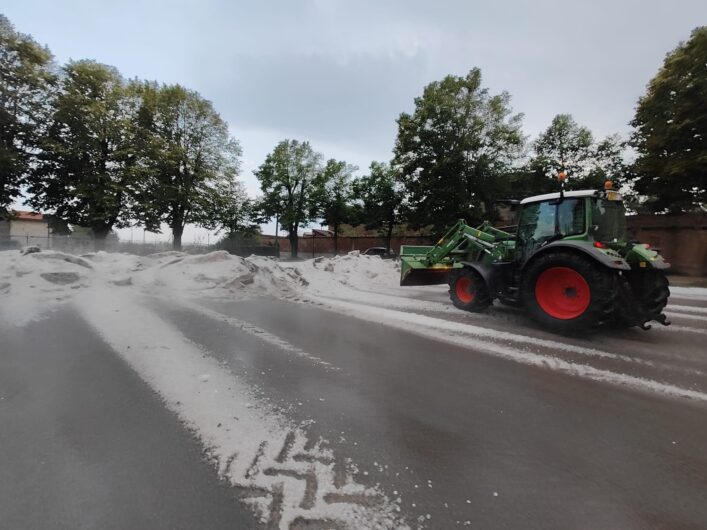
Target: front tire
x=568 y=292
x=468 y=290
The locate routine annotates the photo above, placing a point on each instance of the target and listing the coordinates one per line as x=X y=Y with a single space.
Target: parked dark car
x=379 y=251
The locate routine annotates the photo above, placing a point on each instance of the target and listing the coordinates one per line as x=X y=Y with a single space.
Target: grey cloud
x=352 y=101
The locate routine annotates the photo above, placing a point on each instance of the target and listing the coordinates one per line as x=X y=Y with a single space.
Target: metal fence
x=84 y=245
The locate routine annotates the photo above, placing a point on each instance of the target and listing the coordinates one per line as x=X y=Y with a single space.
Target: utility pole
x=277 y=231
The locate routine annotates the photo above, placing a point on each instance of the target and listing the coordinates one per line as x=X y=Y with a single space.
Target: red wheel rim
x=562 y=293
x=465 y=289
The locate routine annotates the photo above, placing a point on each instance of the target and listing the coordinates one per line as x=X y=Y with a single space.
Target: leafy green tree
x=234 y=211
x=569 y=147
x=334 y=195
x=527 y=181
x=564 y=146
x=289 y=179
x=671 y=131
x=86 y=166
x=236 y=215
x=381 y=197
x=187 y=159
x=454 y=149
x=26 y=83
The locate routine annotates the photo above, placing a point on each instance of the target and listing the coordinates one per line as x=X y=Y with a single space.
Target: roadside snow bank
x=35 y=282
x=219 y=271
x=353 y=270
x=32 y=283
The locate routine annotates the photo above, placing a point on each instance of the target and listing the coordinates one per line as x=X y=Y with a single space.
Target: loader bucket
x=415 y=272
x=427 y=276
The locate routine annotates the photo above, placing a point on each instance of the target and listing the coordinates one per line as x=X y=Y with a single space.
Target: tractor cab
x=595 y=217
x=608 y=219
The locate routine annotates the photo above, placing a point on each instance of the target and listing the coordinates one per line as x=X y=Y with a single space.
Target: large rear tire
x=651 y=291
x=468 y=290
x=568 y=292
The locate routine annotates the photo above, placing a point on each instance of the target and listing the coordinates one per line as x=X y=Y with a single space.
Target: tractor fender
x=486 y=272
x=612 y=262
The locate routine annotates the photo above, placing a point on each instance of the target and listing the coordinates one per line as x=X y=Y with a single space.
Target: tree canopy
x=453 y=151
x=85 y=171
x=335 y=196
x=26 y=82
x=381 y=197
x=289 y=181
x=568 y=147
x=188 y=161
x=234 y=212
x=671 y=131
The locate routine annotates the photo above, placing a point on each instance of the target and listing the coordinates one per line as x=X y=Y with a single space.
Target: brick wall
x=325 y=245
x=681 y=238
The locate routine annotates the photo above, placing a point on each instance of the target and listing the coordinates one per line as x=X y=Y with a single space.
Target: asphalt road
x=467 y=427
x=86 y=444
x=468 y=437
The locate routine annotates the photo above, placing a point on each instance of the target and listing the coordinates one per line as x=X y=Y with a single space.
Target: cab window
x=570 y=217
x=542 y=221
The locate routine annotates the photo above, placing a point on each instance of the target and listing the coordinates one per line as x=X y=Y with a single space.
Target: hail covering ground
x=289 y=478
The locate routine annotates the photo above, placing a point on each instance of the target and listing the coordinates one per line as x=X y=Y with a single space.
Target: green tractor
x=570 y=264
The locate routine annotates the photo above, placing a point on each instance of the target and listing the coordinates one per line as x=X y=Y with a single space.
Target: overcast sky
x=338 y=73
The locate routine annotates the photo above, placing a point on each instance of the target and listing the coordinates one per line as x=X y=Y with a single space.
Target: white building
x=23 y=226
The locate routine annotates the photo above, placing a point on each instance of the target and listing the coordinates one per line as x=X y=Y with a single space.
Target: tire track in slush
x=291 y=481
x=497 y=334
x=459 y=334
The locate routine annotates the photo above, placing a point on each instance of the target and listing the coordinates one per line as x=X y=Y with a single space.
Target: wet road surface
x=484 y=421
x=84 y=443
x=467 y=437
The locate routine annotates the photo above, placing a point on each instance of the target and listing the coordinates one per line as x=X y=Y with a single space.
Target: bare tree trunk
x=294 y=241
x=177 y=237
x=388 y=237
x=100 y=234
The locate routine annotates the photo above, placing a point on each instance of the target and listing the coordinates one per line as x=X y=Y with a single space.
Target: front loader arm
x=485 y=238
x=431 y=265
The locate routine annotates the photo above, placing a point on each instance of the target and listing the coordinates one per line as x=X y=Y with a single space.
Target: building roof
x=318 y=233
x=551 y=196
x=21 y=215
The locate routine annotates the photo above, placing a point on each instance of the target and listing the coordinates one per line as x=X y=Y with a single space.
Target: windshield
x=609 y=218
x=541 y=222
